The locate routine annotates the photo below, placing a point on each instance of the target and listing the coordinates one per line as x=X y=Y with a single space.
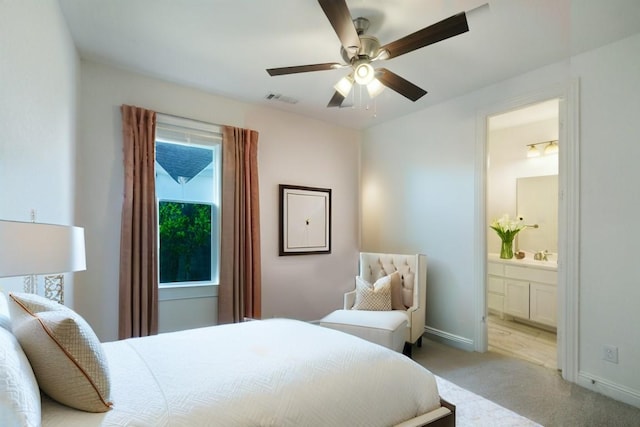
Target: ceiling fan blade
x=340 y=18
x=336 y=100
x=452 y=26
x=400 y=85
x=304 y=68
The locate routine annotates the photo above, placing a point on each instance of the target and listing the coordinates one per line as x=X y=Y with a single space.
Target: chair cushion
x=390 y=320
x=376 y=297
x=65 y=354
x=386 y=328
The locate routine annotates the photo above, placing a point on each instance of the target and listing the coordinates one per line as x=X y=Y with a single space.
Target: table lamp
x=31 y=248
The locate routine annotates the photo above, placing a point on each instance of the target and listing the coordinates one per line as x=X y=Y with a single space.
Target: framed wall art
x=305 y=220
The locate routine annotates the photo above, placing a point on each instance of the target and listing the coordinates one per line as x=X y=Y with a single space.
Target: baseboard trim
x=450 y=339
x=610 y=389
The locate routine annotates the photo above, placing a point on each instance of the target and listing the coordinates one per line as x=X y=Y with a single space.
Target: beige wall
x=303 y=151
x=292 y=149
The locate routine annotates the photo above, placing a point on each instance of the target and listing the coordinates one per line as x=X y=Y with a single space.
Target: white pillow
x=65 y=354
x=376 y=297
x=19 y=393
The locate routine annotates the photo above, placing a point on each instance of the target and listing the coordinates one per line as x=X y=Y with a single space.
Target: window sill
x=174 y=292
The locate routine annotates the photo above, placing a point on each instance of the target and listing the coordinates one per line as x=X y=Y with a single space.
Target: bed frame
x=444 y=416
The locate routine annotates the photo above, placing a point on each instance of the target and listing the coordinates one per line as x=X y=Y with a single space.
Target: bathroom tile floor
x=522 y=341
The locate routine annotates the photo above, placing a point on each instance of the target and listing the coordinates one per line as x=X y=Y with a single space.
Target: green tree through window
x=185 y=241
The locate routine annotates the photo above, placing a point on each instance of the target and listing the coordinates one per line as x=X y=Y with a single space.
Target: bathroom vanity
x=523 y=288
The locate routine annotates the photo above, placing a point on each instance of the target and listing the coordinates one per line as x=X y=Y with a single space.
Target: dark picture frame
x=305 y=220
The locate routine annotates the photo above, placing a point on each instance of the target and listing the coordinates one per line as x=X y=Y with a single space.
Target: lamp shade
x=33 y=248
x=374 y=88
x=344 y=85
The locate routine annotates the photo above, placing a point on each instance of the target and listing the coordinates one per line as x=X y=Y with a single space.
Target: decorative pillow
x=19 y=393
x=396 y=291
x=376 y=297
x=407 y=290
x=5 y=316
x=65 y=354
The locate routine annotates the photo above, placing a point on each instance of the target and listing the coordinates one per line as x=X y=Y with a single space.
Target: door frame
x=568 y=219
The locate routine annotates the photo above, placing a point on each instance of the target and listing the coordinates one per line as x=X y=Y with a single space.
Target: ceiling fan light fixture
x=364 y=73
x=344 y=85
x=374 y=88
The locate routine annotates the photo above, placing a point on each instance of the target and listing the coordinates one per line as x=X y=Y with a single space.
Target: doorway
x=568 y=220
x=522 y=188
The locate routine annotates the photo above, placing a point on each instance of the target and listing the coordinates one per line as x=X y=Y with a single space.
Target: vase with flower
x=507 y=229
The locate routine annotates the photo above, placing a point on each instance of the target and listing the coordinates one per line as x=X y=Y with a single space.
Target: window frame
x=168 y=123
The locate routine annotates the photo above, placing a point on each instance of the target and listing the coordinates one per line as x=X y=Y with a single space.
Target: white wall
x=38 y=91
x=292 y=150
x=609 y=209
x=418 y=190
x=418 y=195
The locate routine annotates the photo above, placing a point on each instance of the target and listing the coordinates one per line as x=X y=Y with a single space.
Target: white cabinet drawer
x=495 y=268
x=495 y=285
x=544 y=306
x=531 y=274
x=516 y=298
x=495 y=302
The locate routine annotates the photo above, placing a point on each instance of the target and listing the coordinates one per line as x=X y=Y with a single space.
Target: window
x=187 y=169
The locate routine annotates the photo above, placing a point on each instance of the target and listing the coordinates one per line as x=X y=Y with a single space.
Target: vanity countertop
x=527 y=261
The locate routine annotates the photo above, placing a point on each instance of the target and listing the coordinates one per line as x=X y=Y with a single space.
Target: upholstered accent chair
x=399 y=323
x=413 y=272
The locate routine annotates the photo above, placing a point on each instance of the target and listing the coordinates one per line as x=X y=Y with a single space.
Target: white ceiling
x=224 y=46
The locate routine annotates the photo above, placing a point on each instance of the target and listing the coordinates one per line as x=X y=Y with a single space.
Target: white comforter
x=261 y=373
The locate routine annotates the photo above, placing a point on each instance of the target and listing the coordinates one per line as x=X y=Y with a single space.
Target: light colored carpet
x=530 y=390
x=476 y=411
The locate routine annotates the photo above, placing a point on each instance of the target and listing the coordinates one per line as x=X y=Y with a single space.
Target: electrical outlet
x=610 y=353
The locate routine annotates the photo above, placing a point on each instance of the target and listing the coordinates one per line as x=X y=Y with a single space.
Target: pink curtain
x=239 y=293
x=138 y=243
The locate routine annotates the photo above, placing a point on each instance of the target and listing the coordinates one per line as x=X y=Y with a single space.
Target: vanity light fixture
x=551 y=147
x=533 y=151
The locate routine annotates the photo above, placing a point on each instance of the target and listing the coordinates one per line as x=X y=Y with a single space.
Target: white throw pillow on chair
x=376 y=297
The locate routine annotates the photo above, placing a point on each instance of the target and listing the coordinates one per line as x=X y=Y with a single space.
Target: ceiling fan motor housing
x=369 y=47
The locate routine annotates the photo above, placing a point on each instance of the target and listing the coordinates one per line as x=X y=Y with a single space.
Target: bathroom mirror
x=537 y=203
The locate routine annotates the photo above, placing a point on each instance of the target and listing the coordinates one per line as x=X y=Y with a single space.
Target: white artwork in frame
x=305 y=220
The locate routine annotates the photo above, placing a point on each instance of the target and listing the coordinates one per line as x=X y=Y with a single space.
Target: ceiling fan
x=359 y=50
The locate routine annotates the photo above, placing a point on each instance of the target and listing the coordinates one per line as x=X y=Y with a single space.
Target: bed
x=276 y=372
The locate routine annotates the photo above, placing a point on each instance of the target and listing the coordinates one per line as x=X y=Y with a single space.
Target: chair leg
x=420 y=342
x=407 y=349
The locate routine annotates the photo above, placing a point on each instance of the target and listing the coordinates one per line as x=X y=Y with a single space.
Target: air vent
x=281 y=98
